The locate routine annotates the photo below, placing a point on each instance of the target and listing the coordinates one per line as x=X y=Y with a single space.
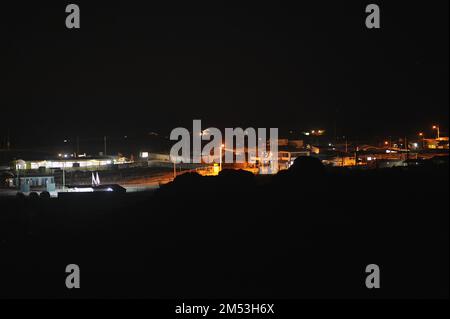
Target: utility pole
x=104 y=141
x=174 y=170
x=78 y=146
x=436 y=127
x=346 y=151
x=18 y=175
x=335 y=125
x=421 y=135
x=346 y=144
x=407 y=148
x=7 y=140
x=64 y=176
x=220 y=157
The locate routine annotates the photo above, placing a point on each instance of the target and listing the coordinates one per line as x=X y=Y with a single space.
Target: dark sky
x=143 y=66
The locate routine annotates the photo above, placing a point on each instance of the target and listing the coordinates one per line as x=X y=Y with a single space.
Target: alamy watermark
x=73 y=279
x=248 y=145
x=373 y=279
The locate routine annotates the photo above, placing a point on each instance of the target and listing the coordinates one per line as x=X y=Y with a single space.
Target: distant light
x=65 y=141
x=60 y=155
x=415 y=145
x=329 y=144
x=144 y=154
x=369 y=158
x=65 y=155
x=388 y=151
x=109 y=189
x=307 y=133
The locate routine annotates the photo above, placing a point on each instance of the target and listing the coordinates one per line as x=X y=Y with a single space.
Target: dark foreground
x=305 y=233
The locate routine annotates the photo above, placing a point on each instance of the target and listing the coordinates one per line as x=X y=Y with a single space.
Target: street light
x=436 y=127
x=423 y=139
x=220 y=157
x=18 y=175
x=64 y=176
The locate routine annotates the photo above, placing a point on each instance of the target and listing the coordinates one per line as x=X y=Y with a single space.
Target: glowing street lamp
x=436 y=127
x=220 y=157
x=422 y=136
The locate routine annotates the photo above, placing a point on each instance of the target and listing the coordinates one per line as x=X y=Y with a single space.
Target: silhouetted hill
x=304 y=233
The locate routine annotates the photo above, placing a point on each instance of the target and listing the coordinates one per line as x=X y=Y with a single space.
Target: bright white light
x=65 y=155
x=369 y=158
x=109 y=189
x=82 y=190
x=144 y=154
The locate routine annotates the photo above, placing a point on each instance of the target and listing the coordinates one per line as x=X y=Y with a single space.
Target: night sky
x=143 y=66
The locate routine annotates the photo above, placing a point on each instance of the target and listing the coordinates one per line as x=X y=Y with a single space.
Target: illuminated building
x=68 y=163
